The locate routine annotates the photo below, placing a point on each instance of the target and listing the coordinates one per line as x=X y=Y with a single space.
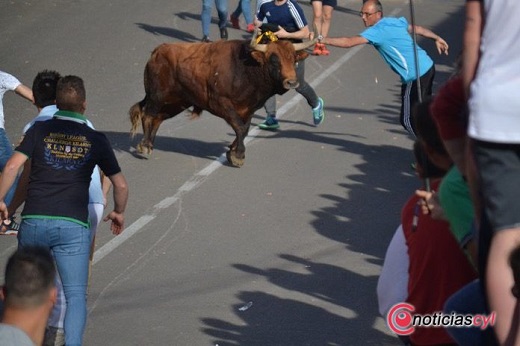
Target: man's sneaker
x=54 y=336
x=223 y=34
x=317 y=49
x=270 y=123
x=205 y=39
x=324 y=50
x=317 y=113
x=250 y=28
x=234 y=22
x=9 y=227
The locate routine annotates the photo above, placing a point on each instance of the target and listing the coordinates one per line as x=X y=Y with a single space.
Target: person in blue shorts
x=322 y=11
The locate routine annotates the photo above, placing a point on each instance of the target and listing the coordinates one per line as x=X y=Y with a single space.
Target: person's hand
x=4 y=213
x=118 y=222
x=430 y=204
x=281 y=33
x=442 y=46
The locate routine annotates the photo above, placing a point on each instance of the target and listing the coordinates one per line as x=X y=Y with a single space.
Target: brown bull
x=231 y=79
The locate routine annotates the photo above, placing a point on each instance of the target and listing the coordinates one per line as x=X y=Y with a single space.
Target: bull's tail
x=136 y=113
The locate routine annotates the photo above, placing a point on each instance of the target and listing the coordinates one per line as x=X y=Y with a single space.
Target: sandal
x=9 y=227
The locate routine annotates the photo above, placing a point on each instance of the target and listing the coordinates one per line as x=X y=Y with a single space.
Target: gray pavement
x=283 y=251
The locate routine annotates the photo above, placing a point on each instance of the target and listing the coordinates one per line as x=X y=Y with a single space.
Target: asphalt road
x=283 y=251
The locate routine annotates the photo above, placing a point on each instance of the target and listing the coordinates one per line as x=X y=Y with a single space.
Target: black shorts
x=331 y=3
x=499 y=169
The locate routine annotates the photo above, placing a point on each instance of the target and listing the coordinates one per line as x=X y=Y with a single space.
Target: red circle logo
x=399 y=319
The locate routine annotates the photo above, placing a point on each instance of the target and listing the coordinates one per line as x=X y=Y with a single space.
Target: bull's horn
x=255 y=45
x=304 y=45
x=255 y=35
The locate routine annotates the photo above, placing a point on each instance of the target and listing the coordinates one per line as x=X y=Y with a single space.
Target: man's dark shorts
x=499 y=169
x=331 y=3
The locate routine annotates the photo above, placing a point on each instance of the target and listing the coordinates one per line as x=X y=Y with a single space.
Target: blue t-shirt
x=392 y=40
x=289 y=16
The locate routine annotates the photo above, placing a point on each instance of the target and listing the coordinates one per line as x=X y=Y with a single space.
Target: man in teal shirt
x=391 y=38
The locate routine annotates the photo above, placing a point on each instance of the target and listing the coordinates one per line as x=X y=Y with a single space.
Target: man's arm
x=301 y=34
x=25 y=92
x=258 y=23
x=442 y=46
x=499 y=282
x=106 y=184
x=120 y=199
x=344 y=42
x=21 y=189
x=448 y=109
x=456 y=148
x=7 y=179
x=471 y=44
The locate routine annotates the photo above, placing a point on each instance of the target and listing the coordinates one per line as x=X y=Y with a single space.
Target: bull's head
x=282 y=55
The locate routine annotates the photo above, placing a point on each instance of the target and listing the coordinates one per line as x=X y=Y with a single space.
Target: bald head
x=371 y=12
x=373 y=5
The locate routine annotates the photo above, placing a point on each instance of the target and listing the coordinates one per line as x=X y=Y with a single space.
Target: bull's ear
x=258 y=56
x=301 y=55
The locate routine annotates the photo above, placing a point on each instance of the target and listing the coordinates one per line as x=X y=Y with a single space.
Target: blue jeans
x=57 y=316
x=70 y=246
x=6 y=151
x=470 y=299
x=244 y=6
x=206 y=14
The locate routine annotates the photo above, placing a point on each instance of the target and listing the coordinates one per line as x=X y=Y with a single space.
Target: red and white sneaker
x=324 y=50
x=317 y=49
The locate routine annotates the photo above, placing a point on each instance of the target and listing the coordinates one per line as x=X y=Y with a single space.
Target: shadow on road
x=123 y=142
x=179 y=34
x=359 y=213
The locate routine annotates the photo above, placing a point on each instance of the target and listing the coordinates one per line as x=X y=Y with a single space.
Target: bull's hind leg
x=151 y=122
x=150 y=127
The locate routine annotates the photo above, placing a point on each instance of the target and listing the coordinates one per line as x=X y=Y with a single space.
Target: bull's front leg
x=237 y=150
x=237 y=155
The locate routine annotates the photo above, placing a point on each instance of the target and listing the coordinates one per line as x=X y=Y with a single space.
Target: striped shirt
x=289 y=16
